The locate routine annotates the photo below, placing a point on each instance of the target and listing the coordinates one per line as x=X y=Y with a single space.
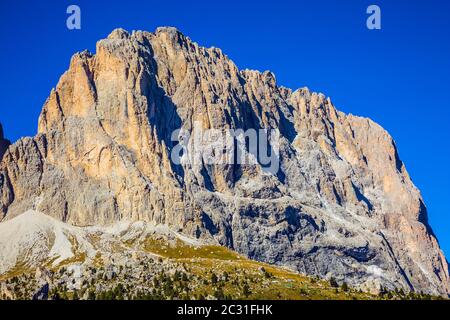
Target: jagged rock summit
x=342 y=204
x=4 y=143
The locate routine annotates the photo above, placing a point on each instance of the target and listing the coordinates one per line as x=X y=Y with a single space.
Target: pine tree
x=91 y=295
x=246 y=290
x=214 y=278
x=333 y=282
x=219 y=295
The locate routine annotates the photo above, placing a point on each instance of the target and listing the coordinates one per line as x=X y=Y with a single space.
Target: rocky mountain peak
x=4 y=144
x=341 y=204
x=118 y=33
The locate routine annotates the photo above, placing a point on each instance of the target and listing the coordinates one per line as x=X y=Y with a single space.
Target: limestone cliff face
x=342 y=204
x=4 y=144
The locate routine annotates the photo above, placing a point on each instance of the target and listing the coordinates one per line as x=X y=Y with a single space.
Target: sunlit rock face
x=341 y=205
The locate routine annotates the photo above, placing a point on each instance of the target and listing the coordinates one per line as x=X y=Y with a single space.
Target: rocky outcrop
x=4 y=144
x=342 y=203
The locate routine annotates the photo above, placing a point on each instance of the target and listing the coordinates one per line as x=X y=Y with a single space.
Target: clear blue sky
x=399 y=76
